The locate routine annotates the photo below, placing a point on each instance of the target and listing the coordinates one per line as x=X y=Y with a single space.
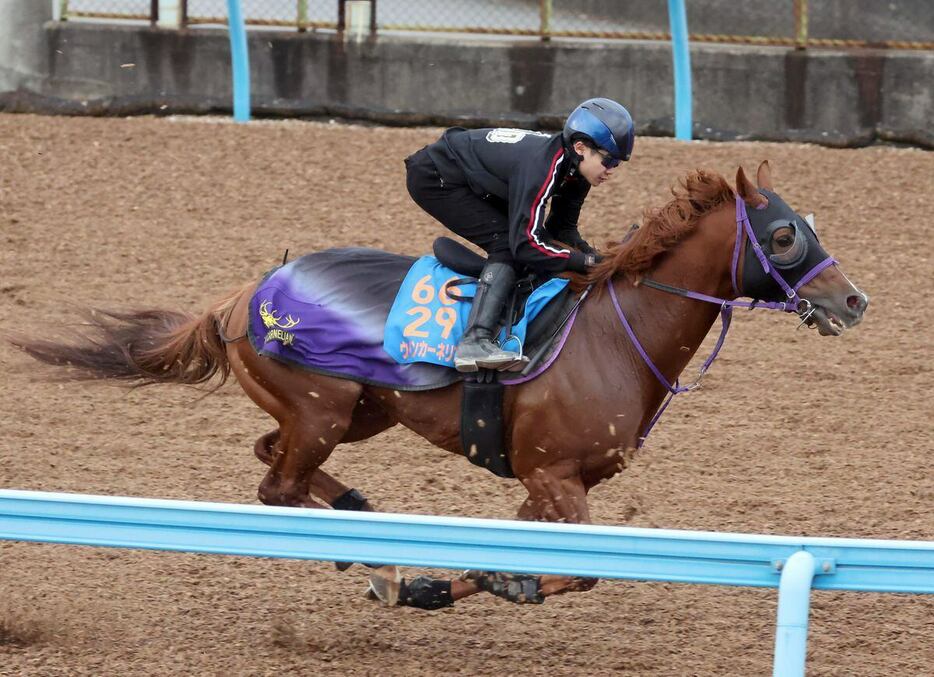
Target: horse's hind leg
x=266 y=447
x=308 y=436
x=323 y=485
x=314 y=413
x=367 y=420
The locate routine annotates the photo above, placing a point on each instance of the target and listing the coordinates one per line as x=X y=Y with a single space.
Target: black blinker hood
x=757 y=283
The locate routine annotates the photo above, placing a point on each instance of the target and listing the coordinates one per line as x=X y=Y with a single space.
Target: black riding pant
x=481 y=220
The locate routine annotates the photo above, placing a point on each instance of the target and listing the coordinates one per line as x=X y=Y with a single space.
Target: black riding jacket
x=526 y=170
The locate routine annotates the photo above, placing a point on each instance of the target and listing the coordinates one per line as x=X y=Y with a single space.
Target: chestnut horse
x=653 y=299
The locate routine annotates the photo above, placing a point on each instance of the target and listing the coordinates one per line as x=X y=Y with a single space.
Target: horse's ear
x=748 y=192
x=764 y=176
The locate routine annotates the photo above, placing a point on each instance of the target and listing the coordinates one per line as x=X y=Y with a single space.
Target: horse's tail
x=143 y=347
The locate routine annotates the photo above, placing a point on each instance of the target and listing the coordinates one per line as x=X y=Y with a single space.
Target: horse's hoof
x=582 y=584
x=385 y=583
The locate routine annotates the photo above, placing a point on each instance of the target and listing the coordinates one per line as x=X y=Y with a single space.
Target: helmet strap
x=574 y=160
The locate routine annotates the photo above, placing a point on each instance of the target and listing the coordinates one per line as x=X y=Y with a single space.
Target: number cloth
x=427 y=319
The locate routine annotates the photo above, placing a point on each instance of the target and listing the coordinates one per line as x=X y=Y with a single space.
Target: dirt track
x=793 y=433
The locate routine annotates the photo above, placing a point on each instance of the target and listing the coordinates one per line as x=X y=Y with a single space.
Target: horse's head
x=784 y=260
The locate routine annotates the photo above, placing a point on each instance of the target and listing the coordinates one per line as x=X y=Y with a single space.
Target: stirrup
x=466 y=366
x=521 y=359
x=516 y=365
x=489 y=356
x=472 y=365
x=506 y=360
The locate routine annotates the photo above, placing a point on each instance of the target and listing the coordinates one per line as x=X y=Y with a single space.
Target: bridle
x=793 y=303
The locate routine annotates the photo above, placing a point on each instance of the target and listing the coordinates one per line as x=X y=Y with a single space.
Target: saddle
x=482 y=403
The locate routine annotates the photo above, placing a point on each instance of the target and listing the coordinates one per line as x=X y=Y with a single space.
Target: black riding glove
x=573 y=237
x=579 y=262
x=585 y=247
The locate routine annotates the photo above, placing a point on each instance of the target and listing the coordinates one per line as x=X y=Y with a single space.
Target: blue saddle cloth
x=327 y=312
x=429 y=316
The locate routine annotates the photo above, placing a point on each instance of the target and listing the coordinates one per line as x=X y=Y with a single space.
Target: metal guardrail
x=794 y=565
x=454 y=542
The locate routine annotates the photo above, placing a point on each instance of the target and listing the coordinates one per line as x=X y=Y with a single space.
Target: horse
x=644 y=311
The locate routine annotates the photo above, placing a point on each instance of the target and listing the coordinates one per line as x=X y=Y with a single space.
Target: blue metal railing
x=681 y=57
x=787 y=563
x=239 y=61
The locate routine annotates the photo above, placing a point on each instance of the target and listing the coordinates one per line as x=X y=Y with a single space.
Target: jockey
x=491 y=186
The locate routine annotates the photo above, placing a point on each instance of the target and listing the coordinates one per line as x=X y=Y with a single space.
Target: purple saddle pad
x=327 y=311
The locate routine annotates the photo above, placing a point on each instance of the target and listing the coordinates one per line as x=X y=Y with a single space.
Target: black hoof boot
x=517 y=588
x=350 y=500
x=426 y=593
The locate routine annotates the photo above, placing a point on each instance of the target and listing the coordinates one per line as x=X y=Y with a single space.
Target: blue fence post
x=681 y=55
x=239 y=61
x=794 y=602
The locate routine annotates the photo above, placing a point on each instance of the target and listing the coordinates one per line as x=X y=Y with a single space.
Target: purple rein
x=791 y=305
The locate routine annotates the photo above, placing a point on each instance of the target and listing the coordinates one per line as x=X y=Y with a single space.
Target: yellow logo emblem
x=276 y=325
x=274 y=321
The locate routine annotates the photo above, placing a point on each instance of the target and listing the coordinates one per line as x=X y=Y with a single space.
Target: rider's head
x=600 y=134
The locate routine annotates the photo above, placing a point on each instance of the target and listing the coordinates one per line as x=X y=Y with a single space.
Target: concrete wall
x=836 y=98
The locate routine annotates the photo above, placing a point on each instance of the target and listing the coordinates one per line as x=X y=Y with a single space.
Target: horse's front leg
x=556 y=494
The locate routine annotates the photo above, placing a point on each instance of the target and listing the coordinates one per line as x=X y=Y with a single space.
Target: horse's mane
x=696 y=194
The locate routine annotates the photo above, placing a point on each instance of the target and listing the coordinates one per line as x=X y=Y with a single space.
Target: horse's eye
x=787 y=249
x=782 y=240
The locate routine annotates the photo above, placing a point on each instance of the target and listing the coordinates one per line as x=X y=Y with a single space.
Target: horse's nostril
x=857 y=302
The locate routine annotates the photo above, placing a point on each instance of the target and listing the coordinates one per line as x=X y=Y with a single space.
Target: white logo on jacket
x=509 y=135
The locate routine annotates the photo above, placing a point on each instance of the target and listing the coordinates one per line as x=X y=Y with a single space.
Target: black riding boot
x=477 y=348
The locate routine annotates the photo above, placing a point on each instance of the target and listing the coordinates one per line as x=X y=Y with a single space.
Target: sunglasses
x=607 y=160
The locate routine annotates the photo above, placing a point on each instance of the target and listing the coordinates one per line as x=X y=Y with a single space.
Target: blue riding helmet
x=607 y=123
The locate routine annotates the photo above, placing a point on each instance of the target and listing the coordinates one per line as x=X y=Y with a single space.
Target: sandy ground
x=793 y=433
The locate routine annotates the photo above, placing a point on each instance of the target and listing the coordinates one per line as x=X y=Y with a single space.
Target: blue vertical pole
x=794 y=602
x=681 y=55
x=239 y=61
